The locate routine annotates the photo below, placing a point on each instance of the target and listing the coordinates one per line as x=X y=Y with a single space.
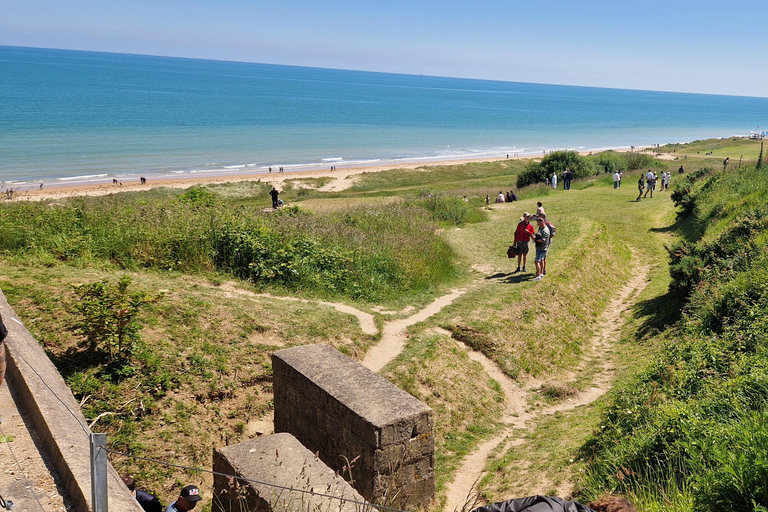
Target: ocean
x=70 y=117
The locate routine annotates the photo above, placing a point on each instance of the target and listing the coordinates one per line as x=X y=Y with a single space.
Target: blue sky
x=704 y=46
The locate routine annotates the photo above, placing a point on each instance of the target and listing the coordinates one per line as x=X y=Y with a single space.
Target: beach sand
x=345 y=179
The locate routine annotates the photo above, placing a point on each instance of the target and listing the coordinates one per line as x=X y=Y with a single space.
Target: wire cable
x=24 y=474
x=250 y=480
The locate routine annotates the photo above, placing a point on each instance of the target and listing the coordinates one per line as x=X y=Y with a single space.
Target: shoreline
x=345 y=176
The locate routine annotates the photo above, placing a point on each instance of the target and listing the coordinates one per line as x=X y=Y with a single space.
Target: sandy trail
x=519 y=417
x=393 y=335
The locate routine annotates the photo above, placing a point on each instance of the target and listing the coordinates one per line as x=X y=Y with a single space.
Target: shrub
x=556 y=162
x=610 y=162
x=109 y=315
x=637 y=161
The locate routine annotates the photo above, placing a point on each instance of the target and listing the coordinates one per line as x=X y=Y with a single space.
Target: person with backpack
x=542 y=244
x=551 y=228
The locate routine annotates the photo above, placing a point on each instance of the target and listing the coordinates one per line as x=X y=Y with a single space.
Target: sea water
x=72 y=117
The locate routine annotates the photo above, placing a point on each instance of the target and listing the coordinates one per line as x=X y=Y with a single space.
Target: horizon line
x=382 y=72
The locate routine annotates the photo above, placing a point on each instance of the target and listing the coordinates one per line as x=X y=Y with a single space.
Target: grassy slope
x=202 y=326
x=689 y=432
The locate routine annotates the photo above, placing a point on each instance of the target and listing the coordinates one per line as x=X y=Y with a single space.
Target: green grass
x=203 y=373
x=691 y=427
x=436 y=370
x=733 y=147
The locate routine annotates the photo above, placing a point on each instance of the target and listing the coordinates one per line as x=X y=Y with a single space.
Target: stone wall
x=274 y=462
x=345 y=412
x=55 y=414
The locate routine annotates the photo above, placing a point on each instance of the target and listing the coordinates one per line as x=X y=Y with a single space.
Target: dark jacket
x=536 y=504
x=148 y=502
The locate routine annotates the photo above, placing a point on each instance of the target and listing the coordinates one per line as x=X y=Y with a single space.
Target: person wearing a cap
x=523 y=234
x=542 y=244
x=188 y=498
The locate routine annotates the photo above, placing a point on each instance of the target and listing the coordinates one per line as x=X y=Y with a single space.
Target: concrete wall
x=337 y=407
x=56 y=416
x=279 y=460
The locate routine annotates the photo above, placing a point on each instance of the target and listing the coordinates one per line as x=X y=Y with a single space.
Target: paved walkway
x=26 y=476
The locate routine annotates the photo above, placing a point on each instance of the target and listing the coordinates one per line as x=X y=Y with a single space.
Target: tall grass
x=368 y=253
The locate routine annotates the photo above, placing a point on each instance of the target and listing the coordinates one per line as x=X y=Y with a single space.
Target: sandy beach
x=345 y=179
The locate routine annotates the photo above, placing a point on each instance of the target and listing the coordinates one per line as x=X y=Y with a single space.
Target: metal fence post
x=99 y=473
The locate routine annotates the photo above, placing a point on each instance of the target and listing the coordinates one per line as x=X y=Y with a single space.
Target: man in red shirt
x=523 y=235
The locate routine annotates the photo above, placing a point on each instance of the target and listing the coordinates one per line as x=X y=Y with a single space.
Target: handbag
x=512 y=251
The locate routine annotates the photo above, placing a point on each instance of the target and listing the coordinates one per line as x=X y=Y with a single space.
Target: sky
x=686 y=46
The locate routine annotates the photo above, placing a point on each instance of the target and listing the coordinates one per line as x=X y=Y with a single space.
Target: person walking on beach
x=523 y=234
x=554 y=181
x=640 y=187
x=616 y=179
x=274 y=193
x=542 y=244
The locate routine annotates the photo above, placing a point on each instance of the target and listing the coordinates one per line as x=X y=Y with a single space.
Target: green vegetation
x=366 y=253
x=556 y=162
x=692 y=428
x=683 y=430
x=109 y=316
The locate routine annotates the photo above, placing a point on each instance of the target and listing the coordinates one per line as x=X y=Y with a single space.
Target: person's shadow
x=511 y=277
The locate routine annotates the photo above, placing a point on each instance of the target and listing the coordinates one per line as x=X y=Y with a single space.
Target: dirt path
x=393 y=335
x=518 y=417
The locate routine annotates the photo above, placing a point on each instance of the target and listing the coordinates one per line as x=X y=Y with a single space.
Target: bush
x=637 y=161
x=610 y=162
x=368 y=253
x=556 y=162
x=109 y=316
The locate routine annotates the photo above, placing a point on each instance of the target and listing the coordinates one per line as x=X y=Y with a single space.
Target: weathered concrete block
x=279 y=460
x=353 y=413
